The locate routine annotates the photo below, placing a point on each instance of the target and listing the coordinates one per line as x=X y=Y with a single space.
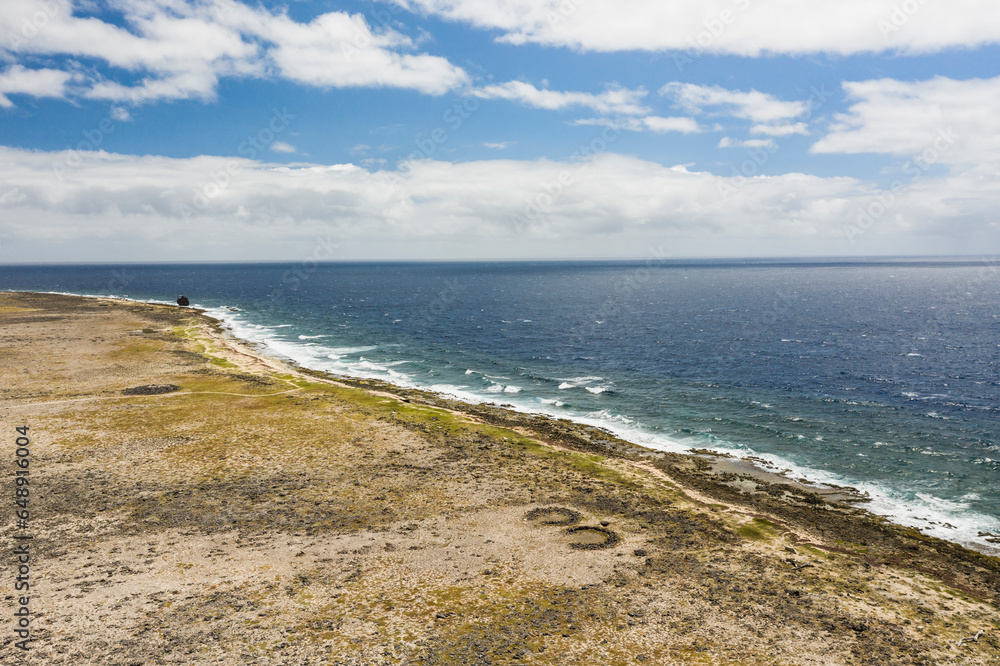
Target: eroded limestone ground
x=260 y=514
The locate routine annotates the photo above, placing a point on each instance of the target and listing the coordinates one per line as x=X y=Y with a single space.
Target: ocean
x=882 y=375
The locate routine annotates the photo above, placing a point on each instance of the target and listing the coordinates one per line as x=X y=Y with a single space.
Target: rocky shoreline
x=198 y=502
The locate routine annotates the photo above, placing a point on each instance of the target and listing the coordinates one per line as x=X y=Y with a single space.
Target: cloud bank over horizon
x=161 y=129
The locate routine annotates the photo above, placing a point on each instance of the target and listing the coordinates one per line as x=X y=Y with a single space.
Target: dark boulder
x=183 y=301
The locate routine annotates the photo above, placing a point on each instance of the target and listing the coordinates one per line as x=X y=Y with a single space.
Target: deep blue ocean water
x=884 y=376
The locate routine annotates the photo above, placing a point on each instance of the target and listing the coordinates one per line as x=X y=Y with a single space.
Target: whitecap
x=940 y=503
x=610 y=417
x=365 y=364
x=576 y=382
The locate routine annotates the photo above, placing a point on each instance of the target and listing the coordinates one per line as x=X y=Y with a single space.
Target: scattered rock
x=152 y=389
x=183 y=301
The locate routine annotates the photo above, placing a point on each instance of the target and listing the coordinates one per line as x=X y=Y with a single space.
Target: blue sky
x=148 y=130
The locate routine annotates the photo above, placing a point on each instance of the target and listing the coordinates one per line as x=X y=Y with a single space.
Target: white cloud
x=727 y=142
x=121 y=114
x=282 y=147
x=613 y=100
x=958 y=122
x=740 y=27
x=610 y=205
x=181 y=49
x=753 y=105
x=499 y=145
x=34 y=82
x=660 y=125
x=655 y=124
x=340 y=50
x=783 y=129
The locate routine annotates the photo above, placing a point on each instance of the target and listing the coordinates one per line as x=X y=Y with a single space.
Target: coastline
x=680 y=511
x=923 y=513
x=755 y=471
x=912 y=503
x=750 y=471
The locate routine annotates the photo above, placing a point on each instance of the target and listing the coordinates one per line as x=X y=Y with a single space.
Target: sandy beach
x=194 y=501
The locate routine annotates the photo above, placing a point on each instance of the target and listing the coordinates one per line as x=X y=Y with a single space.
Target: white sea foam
x=116 y=296
x=939 y=503
x=458 y=392
x=312 y=337
x=578 y=382
x=502 y=388
x=365 y=364
x=611 y=417
x=340 y=352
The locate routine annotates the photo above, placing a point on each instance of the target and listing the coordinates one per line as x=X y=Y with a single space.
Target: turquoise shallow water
x=879 y=375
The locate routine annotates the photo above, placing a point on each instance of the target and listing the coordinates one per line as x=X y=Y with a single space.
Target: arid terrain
x=195 y=502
